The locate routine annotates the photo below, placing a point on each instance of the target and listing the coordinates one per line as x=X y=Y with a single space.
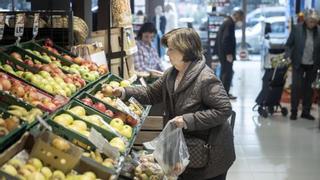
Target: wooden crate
x=151 y=128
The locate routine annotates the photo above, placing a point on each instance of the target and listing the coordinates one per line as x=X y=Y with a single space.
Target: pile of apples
x=98 y=106
x=8 y=124
x=29 y=94
x=53 y=68
x=80 y=126
x=106 y=94
x=84 y=63
x=33 y=169
x=98 y=157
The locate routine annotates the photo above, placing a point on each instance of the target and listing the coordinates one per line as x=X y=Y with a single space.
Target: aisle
x=273 y=148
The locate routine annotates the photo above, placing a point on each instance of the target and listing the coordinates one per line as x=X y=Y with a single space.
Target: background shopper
x=303 y=47
x=226 y=48
x=147 y=58
x=194 y=99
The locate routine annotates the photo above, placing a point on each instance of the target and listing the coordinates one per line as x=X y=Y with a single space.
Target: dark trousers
x=302 y=79
x=226 y=74
x=220 y=177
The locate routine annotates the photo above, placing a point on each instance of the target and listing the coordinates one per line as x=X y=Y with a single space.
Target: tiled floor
x=273 y=148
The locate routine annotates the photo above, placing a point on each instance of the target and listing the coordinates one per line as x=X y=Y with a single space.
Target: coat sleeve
x=151 y=94
x=227 y=38
x=215 y=98
x=290 y=43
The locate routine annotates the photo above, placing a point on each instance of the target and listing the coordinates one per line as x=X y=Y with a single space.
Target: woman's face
x=175 y=56
x=147 y=37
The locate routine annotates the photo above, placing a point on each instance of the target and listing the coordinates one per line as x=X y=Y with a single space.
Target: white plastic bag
x=171 y=151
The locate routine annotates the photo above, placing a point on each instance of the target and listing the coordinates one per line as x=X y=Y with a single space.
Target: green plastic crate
x=6 y=100
x=12 y=136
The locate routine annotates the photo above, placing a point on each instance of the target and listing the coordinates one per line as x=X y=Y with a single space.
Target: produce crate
x=33 y=46
x=60 y=49
x=7 y=99
x=16 y=64
x=114 y=110
x=39 y=92
x=12 y=136
x=27 y=142
x=75 y=137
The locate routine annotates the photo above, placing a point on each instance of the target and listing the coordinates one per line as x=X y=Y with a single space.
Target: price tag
x=44 y=123
x=35 y=24
x=2 y=22
x=126 y=109
x=102 y=144
x=143 y=82
x=136 y=104
x=19 y=28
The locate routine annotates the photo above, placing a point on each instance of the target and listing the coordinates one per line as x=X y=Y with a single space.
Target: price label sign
x=2 y=22
x=35 y=24
x=19 y=28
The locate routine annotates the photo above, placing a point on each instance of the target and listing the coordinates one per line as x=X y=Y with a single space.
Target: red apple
x=16 y=56
x=67 y=57
x=87 y=101
x=109 y=113
x=6 y=84
x=46 y=67
x=48 y=42
x=131 y=121
x=4 y=76
x=100 y=107
x=78 y=60
x=29 y=62
x=68 y=80
x=121 y=116
x=18 y=91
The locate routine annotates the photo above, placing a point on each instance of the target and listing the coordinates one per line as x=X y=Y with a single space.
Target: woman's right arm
x=152 y=94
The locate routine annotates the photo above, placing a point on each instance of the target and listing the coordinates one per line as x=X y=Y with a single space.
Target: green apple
x=57 y=63
x=44 y=74
x=88 y=76
x=72 y=87
x=117 y=124
x=58 y=80
x=19 y=73
x=74 y=70
x=61 y=92
x=47 y=58
x=29 y=50
x=126 y=131
x=35 y=80
x=118 y=143
x=78 y=110
x=114 y=84
x=7 y=68
x=68 y=91
x=48 y=88
x=37 y=62
x=66 y=68
x=83 y=69
x=125 y=83
x=27 y=76
x=75 y=66
x=95 y=74
x=37 y=53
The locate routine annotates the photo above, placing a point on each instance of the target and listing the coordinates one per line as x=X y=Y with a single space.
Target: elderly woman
x=196 y=101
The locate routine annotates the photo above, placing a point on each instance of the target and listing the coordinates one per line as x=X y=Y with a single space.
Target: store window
x=139 y=5
x=19 y=5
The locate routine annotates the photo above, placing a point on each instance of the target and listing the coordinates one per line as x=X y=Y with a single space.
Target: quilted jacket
x=202 y=101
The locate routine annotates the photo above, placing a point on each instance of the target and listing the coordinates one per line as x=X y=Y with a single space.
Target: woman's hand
x=179 y=122
x=118 y=91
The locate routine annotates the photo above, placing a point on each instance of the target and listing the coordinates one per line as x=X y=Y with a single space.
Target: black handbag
x=199 y=152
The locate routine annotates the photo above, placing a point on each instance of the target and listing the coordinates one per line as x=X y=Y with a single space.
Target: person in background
x=226 y=48
x=147 y=58
x=160 y=22
x=171 y=16
x=302 y=48
x=195 y=100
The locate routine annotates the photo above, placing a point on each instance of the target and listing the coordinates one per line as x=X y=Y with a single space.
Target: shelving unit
x=62 y=36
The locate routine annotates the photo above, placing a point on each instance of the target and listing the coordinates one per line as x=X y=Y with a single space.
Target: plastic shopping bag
x=171 y=151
